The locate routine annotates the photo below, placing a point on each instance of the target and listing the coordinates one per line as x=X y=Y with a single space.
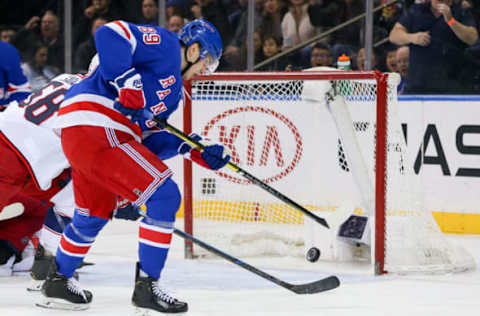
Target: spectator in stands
x=296 y=26
x=437 y=34
x=402 y=56
x=236 y=13
x=321 y=56
x=149 y=12
x=101 y=8
x=238 y=61
x=215 y=12
x=296 y=29
x=360 y=59
x=390 y=53
x=7 y=34
x=272 y=16
x=45 y=30
x=332 y=13
x=386 y=61
x=384 y=22
x=466 y=4
x=175 y=23
x=37 y=71
x=16 y=13
x=86 y=50
x=240 y=33
x=92 y=10
x=272 y=46
x=181 y=7
x=470 y=5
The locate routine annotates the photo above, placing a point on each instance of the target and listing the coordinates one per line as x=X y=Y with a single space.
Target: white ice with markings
x=217 y=287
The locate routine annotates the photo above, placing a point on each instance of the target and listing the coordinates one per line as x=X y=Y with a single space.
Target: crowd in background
x=35 y=29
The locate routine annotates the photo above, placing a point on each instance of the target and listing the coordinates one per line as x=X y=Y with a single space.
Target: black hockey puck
x=313 y=254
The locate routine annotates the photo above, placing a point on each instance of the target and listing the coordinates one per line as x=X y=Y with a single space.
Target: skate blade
x=139 y=311
x=35 y=285
x=58 y=303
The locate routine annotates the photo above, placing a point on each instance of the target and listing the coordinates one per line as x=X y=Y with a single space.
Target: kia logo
x=261 y=140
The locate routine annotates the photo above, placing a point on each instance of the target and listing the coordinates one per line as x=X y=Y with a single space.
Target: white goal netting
x=280 y=129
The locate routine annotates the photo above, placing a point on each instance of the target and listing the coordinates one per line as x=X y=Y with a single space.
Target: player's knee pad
x=163 y=204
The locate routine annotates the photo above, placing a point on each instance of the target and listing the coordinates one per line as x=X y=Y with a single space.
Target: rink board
x=450 y=174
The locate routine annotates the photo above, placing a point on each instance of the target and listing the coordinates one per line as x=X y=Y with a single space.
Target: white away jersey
x=28 y=127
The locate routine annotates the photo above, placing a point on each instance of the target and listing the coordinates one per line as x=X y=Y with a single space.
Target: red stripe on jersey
x=114 y=115
x=154 y=236
x=123 y=28
x=67 y=246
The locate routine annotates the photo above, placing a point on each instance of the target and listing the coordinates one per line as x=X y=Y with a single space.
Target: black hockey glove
x=129 y=212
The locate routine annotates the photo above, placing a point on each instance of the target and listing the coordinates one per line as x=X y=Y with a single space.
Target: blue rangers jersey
x=14 y=85
x=155 y=54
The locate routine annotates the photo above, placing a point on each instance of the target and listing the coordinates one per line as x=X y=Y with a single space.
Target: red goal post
x=231 y=108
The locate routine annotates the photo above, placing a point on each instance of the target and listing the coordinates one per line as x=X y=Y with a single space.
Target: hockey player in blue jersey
x=13 y=83
x=115 y=149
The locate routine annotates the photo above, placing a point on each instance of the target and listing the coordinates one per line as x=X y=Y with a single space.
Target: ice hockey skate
x=41 y=265
x=149 y=297
x=63 y=293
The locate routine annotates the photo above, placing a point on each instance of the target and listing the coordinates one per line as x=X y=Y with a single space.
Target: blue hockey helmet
x=203 y=32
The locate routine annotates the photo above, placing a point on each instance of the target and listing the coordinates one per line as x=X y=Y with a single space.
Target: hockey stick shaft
x=322 y=285
x=244 y=174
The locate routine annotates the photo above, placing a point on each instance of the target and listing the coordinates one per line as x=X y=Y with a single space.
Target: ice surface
x=217 y=287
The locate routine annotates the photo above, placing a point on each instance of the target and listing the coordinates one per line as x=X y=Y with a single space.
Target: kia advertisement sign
x=265 y=141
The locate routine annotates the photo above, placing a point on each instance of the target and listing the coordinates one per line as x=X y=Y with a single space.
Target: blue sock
x=76 y=240
x=155 y=232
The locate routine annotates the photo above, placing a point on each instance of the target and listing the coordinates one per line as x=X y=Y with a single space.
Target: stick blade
x=11 y=211
x=323 y=222
x=326 y=284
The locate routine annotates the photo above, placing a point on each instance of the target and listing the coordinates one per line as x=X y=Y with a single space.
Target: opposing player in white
x=33 y=164
x=38 y=179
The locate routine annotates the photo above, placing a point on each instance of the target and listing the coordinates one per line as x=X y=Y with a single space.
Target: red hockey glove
x=212 y=157
x=130 y=89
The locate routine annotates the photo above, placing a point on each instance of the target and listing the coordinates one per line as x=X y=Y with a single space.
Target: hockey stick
x=245 y=174
x=322 y=285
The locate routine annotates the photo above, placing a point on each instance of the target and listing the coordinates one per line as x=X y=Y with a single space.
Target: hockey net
x=335 y=160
